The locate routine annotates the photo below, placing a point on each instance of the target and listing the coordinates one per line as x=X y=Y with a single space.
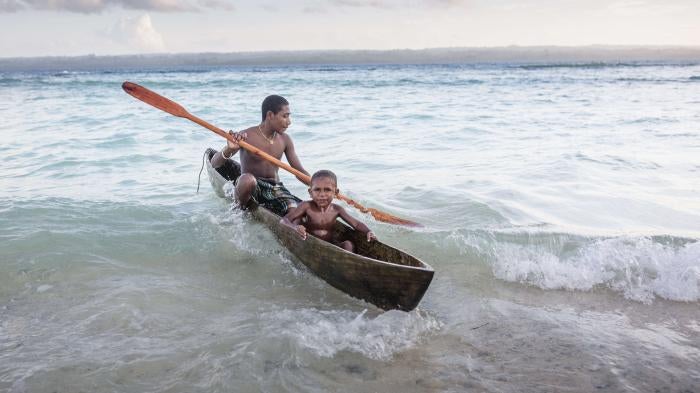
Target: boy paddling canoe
x=260 y=179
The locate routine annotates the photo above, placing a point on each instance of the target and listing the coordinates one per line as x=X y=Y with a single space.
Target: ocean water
x=560 y=207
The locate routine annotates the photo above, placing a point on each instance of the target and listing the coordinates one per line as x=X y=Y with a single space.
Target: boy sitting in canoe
x=319 y=214
x=260 y=179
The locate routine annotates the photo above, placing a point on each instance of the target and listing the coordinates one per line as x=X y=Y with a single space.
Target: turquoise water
x=560 y=206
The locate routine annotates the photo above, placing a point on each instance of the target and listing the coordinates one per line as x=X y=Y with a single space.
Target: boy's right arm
x=229 y=150
x=292 y=216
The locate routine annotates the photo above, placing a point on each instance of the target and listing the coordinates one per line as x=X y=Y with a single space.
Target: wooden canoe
x=379 y=274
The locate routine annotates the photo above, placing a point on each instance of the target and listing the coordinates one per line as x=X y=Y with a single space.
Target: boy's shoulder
x=337 y=207
x=307 y=205
x=285 y=136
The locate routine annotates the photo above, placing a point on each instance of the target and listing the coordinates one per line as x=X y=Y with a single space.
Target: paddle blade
x=378 y=214
x=155 y=99
x=391 y=219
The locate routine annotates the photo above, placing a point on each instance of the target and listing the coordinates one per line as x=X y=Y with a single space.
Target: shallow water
x=560 y=209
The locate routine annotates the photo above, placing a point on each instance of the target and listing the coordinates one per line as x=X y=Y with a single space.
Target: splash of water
x=325 y=333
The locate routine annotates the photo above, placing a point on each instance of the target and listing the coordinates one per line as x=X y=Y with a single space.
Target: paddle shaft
x=252 y=149
x=306 y=179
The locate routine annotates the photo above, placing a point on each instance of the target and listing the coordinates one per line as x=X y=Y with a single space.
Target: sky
x=113 y=27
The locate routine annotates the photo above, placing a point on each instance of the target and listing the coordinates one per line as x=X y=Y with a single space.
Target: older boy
x=259 y=179
x=320 y=212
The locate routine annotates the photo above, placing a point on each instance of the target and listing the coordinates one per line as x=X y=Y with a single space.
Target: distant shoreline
x=493 y=55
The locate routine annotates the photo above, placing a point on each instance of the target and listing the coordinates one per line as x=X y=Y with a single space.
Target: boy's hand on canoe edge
x=301 y=230
x=371 y=236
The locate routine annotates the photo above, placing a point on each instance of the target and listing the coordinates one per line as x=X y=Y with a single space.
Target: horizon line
x=514 y=54
x=329 y=50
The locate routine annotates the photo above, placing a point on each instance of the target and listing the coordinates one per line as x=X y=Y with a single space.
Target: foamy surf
x=639 y=268
x=326 y=333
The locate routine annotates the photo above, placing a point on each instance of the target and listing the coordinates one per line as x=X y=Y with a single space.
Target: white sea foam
x=638 y=267
x=43 y=288
x=236 y=227
x=326 y=333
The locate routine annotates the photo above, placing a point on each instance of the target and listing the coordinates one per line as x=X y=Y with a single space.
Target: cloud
x=365 y=3
x=322 y=6
x=97 y=6
x=393 y=3
x=631 y=8
x=217 y=4
x=10 y=5
x=138 y=34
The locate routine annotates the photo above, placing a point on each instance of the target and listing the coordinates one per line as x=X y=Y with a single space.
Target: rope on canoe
x=199 y=178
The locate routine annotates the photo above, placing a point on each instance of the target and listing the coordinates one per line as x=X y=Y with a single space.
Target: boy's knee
x=245 y=186
x=348 y=246
x=247 y=180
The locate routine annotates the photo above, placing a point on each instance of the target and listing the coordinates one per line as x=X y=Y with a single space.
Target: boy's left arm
x=355 y=224
x=291 y=155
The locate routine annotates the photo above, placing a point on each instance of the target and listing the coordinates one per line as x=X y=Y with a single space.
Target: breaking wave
x=640 y=268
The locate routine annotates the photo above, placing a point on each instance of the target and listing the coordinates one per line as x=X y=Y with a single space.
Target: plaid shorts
x=274 y=196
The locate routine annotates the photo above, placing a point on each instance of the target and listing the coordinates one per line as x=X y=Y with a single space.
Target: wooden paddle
x=164 y=104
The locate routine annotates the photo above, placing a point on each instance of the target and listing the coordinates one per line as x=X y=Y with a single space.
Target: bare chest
x=253 y=163
x=322 y=220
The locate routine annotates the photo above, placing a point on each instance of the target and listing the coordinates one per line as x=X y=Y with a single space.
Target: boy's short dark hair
x=324 y=173
x=273 y=103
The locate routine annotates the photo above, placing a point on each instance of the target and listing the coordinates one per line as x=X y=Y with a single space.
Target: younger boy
x=320 y=212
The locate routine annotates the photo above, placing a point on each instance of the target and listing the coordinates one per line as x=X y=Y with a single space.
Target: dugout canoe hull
x=379 y=274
